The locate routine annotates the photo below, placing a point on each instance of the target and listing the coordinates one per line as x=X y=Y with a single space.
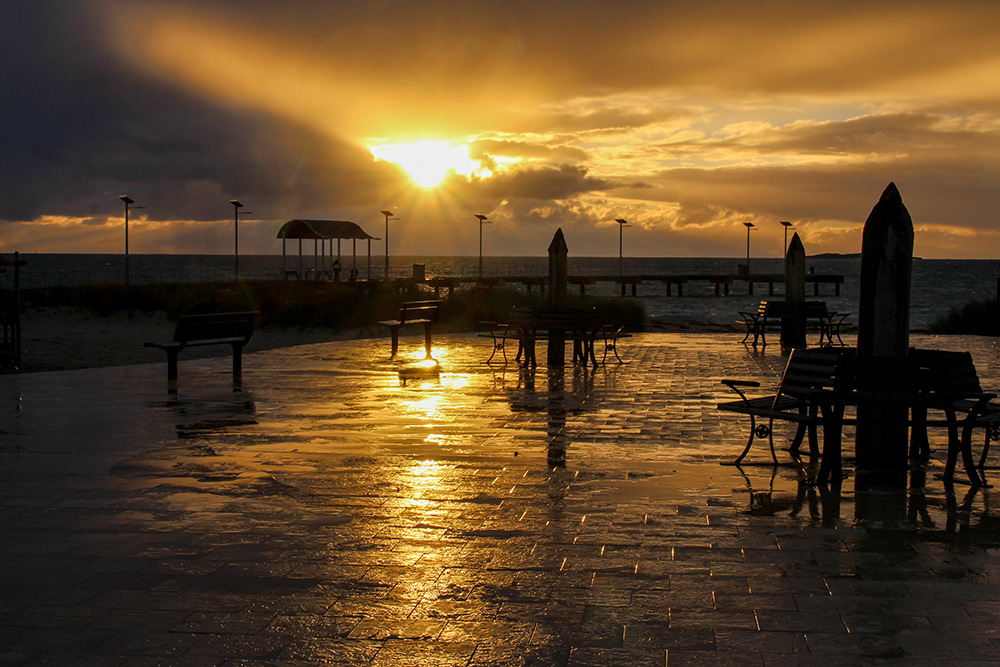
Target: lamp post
x=388 y=216
x=128 y=203
x=621 y=264
x=236 y=231
x=749 y=226
x=786 y=225
x=482 y=219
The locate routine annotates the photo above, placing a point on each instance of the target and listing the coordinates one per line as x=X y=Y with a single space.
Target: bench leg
x=171 y=364
x=237 y=360
x=831 y=467
x=958 y=445
x=919 y=445
x=497 y=345
x=528 y=347
x=754 y=432
x=394 y=332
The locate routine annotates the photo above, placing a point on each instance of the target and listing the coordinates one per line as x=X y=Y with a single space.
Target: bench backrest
x=419 y=310
x=521 y=317
x=213 y=326
x=564 y=320
x=944 y=373
x=781 y=309
x=817 y=369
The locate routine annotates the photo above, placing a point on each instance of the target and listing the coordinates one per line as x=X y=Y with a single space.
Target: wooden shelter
x=322 y=233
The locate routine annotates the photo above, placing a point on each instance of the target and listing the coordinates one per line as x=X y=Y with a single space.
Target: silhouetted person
x=354 y=273
x=336 y=270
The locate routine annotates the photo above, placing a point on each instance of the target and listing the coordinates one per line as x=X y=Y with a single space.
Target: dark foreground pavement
x=335 y=511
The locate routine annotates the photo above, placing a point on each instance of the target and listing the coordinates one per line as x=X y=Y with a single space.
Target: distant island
x=840 y=255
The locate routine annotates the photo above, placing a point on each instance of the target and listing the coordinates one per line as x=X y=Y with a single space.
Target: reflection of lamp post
x=786 y=225
x=388 y=216
x=236 y=234
x=621 y=264
x=128 y=202
x=749 y=226
x=482 y=219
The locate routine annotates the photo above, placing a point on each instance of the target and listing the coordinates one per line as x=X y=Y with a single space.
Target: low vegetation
x=312 y=304
x=978 y=318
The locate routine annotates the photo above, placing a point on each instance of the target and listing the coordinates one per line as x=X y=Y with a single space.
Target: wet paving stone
x=328 y=511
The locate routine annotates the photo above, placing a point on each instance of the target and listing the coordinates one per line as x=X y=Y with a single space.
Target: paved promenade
x=335 y=511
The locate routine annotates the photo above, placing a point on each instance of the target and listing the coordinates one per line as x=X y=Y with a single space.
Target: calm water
x=937 y=284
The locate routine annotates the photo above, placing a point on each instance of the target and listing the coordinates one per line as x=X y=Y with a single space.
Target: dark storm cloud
x=543 y=183
x=80 y=129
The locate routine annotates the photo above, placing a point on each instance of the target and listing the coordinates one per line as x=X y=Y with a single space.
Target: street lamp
x=128 y=203
x=482 y=219
x=621 y=265
x=749 y=226
x=786 y=225
x=388 y=216
x=236 y=229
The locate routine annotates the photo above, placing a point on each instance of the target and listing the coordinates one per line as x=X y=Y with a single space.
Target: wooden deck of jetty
x=672 y=284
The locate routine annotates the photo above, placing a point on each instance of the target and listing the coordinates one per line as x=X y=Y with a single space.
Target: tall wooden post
x=884 y=337
x=793 y=329
x=558 y=284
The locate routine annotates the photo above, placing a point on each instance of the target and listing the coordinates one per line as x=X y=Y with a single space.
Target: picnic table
x=769 y=314
x=820 y=384
x=585 y=327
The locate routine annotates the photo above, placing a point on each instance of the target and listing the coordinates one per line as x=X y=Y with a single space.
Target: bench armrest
x=740 y=383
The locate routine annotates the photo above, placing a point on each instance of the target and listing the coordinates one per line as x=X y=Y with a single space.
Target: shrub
x=979 y=318
x=315 y=304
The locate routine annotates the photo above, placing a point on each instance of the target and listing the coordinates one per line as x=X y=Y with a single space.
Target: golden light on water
x=429 y=162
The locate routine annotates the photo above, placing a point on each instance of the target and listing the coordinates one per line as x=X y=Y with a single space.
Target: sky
x=687 y=119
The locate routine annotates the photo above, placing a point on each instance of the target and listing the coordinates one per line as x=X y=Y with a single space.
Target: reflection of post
x=556 y=427
x=793 y=329
x=558 y=283
x=883 y=332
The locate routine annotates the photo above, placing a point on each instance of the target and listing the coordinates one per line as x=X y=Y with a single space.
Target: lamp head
x=482 y=218
x=235 y=203
x=749 y=225
x=621 y=221
x=786 y=223
x=126 y=199
x=387 y=213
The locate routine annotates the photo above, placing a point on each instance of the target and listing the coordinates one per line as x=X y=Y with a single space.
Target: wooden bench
x=516 y=327
x=424 y=313
x=558 y=324
x=813 y=390
x=233 y=329
x=770 y=314
x=598 y=329
x=948 y=383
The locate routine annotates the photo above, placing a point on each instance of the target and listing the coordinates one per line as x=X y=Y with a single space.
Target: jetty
x=672 y=283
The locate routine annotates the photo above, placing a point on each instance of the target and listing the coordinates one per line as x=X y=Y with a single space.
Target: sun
x=428 y=162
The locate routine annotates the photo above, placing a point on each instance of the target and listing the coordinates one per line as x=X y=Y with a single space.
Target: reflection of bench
x=813 y=390
x=771 y=313
x=424 y=313
x=233 y=329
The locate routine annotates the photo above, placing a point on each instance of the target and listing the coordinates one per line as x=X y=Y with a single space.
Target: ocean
x=937 y=285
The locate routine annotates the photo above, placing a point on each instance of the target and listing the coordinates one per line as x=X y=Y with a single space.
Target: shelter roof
x=322 y=229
